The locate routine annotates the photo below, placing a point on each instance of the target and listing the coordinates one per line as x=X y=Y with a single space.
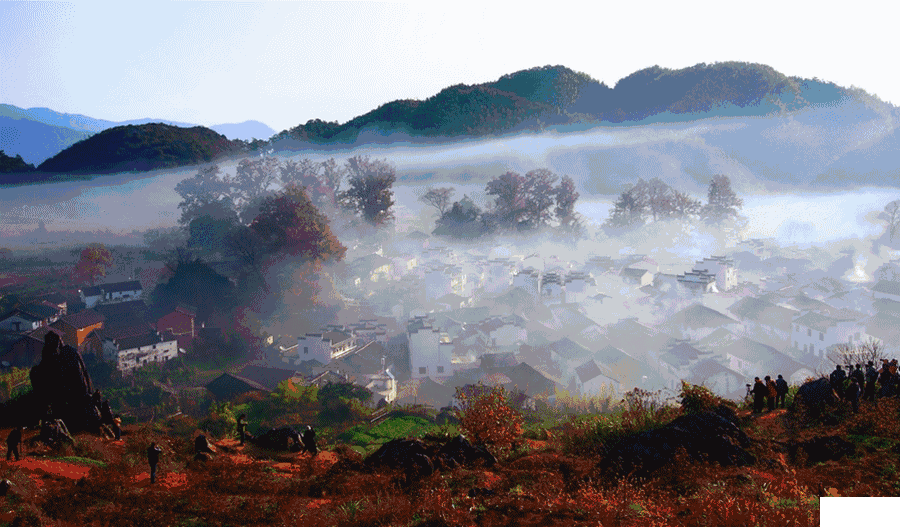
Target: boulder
x=712 y=435
x=410 y=455
x=202 y=445
x=62 y=382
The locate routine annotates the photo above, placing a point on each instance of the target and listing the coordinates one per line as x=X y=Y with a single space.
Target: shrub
x=696 y=399
x=486 y=416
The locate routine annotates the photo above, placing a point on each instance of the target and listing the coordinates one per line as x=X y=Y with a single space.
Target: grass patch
x=82 y=461
x=367 y=438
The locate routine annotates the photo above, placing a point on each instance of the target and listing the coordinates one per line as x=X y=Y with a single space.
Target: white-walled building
x=814 y=333
x=698 y=282
x=324 y=347
x=109 y=293
x=430 y=351
x=720 y=267
x=530 y=280
x=592 y=382
x=135 y=351
x=444 y=279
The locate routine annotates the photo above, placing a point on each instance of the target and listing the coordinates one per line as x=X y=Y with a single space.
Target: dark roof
x=761 y=311
x=118 y=314
x=22 y=314
x=498 y=360
x=699 y=316
x=228 y=386
x=630 y=272
x=706 y=368
x=82 y=319
x=41 y=310
x=265 y=376
x=40 y=333
x=530 y=381
x=137 y=341
x=569 y=349
x=889 y=287
x=588 y=371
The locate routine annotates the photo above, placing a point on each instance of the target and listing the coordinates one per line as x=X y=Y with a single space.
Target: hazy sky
x=284 y=63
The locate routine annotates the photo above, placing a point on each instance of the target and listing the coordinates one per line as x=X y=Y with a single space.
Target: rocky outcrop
x=61 y=381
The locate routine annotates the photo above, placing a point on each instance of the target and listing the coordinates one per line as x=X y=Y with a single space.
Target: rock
x=61 y=381
x=309 y=441
x=5 y=485
x=201 y=445
x=409 y=455
x=712 y=435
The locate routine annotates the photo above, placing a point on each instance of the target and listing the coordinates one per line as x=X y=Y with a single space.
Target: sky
x=284 y=63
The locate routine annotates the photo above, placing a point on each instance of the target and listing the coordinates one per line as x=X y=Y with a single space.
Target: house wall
x=311 y=347
x=426 y=350
x=181 y=325
x=804 y=338
x=23 y=325
x=128 y=360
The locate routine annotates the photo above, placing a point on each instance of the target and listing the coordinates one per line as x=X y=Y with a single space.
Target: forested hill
x=139 y=148
x=550 y=96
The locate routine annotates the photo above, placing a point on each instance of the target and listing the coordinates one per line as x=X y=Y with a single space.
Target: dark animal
x=201 y=445
x=410 y=455
x=284 y=438
x=712 y=435
x=822 y=448
x=459 y=451
x=309 y=441
x=815 y=396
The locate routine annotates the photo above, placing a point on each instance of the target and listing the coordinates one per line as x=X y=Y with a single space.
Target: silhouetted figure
x=759 y=395
x=837 y=380
x=859 y=375
x=153 y=453
x=771 y=394
x=13 y=440
x=853 y=392
x=309 y=441
x=781 y=387
x=242 y=427
x=117 y=427
x=106 y=416
x=5 y=486
x=97 y=399
x=871 y=379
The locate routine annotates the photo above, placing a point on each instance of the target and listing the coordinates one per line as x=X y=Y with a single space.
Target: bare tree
x=848 y=354
x=438 y=198
x=685 y=207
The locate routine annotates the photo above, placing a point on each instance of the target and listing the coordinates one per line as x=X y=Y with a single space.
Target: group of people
x=769 y=393
x=854 y=384
x=107 y=419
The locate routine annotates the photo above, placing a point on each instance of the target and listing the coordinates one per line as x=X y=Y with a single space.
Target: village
x=422 y=318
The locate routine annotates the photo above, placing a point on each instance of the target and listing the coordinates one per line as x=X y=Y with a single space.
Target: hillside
x=140 y=148
x=556 y=96
x=35 y=141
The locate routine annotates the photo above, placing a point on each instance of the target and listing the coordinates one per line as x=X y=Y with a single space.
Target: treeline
x=655 y=200
x=141 y=148
x=521 y=203
x=14 y=164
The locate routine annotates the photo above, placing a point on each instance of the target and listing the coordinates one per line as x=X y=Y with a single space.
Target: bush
x=696 y=399
x=486 y=416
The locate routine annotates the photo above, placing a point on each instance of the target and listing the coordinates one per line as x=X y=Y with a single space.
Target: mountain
x=139 y=148
x=75 y=121
x=558 y=97
x=245 y=131
x=36 y=141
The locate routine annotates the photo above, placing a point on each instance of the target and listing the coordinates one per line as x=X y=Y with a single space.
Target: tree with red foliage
x=487 y=417
x=94 y=260
x=289 y=223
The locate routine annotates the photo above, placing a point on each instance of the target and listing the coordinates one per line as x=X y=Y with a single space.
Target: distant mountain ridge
x=38 y=134
x=556 y=96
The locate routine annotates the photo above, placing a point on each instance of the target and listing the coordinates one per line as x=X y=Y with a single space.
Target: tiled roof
x=588 y=371
x=82 y=319
x=137 y=341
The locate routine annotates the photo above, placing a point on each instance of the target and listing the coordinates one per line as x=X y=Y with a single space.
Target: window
x=440 y=369
x=796 y=344
x=306 y=350
x=856 y=336
x=821 y=336
x=805 y=348
x=808 y=332
x=423 y=370
x=797 y=328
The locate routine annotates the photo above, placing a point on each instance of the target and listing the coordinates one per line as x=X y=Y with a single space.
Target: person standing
x=242 y=427
x=759 y=395
x=781 y=386
x=871 y=379
x=13 y=440
x=837 y=380
x=853 y=394
x=772 y=393
x=117 y=427
x=153 y=453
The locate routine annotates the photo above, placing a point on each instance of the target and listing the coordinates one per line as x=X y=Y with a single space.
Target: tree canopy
x=371 y=192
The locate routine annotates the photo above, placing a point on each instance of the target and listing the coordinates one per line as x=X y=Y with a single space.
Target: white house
x=591 y=381
x=814 y=333
x=639 y=277
x=698 y=282
x=20 y=321
x=886 y=289
x=108 y=293
x=530 y=280
x=552 y=288
x=578 y=286
x=498 y=274
x=135 y=351
x=443 y=279
x=324 y=346
x=430 y=351
x=720 y=267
